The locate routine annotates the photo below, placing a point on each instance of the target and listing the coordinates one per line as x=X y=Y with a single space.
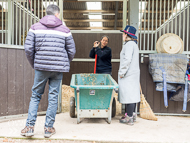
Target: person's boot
x=124 y=116
x=128 y=120
x=28 y=131
x=48 y=132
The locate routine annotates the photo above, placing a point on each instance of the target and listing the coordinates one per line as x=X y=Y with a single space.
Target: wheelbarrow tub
x=94 y=94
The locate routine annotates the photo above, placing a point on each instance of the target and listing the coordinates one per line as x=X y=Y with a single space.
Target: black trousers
x=130 y=108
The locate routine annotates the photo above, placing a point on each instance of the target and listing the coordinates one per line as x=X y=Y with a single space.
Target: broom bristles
x=145 y=110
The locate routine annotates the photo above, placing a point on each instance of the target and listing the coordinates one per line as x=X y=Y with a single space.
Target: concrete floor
x=166 y=129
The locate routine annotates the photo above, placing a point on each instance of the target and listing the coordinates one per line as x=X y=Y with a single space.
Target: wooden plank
x=157 y=101
x=81 y=44
x=92 y=37
x=4 y=81
x=105 y=28
x=28 y=83
x=12 y=110
x=179 y=107
x=143 y=69
x=106 y=20
x=115 y=68
x=19 y=100
x=91 y=67
x=149 y=85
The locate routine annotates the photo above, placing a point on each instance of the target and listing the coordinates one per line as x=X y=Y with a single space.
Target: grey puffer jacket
x=49 y=45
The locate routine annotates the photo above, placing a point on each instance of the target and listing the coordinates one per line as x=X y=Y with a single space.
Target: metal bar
x=188 y=27
x=156 y=23
x=164 y=17
x=148 y=48
x=144 y=25
x=7 y=118
x=116 y=13
x=12 y=13
x=141 y=26
x=61 y=9
x=6 y=22
x=20 y=26
x=9 y=21
x=172 y=16
x=46 y=6
x=30 y=13
x=27 y=17
x=170 y=114
x=160 y=17
x=2 y=22
x=42 y=9
x=78 y=106
x=184 y=24
x=176 y=18
x=16 y=22
x=152 y=24
x=124 y=13
x=35 y=10
x=38 y=10
x=80 y=59
x=110 y=107
x=180 y=21
x=24 y=15
x=168 y=15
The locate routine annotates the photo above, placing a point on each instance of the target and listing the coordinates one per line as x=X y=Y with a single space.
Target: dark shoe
x=27 y=131
x=48 y=132
x=127 y=120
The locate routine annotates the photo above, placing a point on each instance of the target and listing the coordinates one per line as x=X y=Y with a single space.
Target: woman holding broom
x=104 y=55
x=129 y=75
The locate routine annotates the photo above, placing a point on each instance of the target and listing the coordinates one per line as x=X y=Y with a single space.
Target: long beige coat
x=129 y=88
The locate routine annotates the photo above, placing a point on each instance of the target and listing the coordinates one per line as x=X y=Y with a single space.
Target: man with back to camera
x=49 y=48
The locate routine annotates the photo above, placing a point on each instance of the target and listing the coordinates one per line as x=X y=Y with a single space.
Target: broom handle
x=140 y=89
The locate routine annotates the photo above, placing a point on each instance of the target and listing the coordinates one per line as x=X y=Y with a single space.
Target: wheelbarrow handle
x=116 y=90
x=77 y=90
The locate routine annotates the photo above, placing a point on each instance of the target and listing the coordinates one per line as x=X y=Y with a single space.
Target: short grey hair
x=52 y=9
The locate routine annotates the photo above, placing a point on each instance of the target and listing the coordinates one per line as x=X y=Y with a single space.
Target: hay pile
x=68 y=92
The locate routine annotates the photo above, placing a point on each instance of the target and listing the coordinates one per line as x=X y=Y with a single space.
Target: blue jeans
x=40 y=79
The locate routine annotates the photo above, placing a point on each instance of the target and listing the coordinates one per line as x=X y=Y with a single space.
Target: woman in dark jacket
x=103 y=56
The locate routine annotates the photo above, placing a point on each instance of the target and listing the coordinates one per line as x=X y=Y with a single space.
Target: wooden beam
x=116 y=13
x=100 y=0
x=108 y=11
x=103 y=28
x=103 y=20
x=89 y=28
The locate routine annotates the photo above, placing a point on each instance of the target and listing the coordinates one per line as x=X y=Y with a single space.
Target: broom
x=145 y=109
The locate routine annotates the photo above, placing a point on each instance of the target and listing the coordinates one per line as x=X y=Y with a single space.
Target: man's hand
x=96 y=44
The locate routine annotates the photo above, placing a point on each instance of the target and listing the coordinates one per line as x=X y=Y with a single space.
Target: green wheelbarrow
x=94 y=96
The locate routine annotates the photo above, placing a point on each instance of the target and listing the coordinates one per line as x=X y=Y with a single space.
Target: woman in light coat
x=129 y=75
